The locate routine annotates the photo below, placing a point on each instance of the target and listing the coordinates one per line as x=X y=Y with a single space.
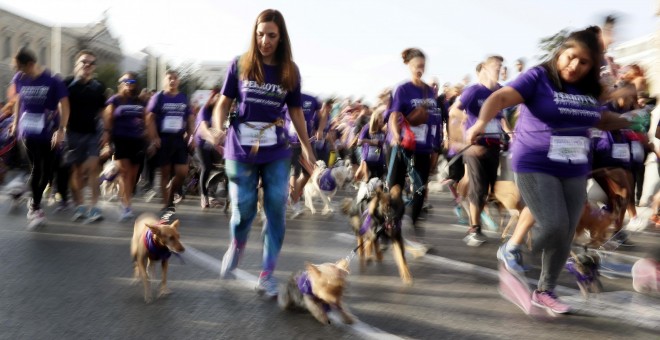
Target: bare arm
x=611 y=121
x=323 y=121
x=64 y=113
x=395 y=128
x=107 y=123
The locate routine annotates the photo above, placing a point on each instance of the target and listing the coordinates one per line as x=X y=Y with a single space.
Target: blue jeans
x=243 y=181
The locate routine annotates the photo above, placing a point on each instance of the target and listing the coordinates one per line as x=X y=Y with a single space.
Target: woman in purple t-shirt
x=413 y=102
x=124 y=122
x=262 y=81
x=550 y=154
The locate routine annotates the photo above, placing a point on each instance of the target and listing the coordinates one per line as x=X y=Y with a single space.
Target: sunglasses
x=85 y=62
x=128 y=81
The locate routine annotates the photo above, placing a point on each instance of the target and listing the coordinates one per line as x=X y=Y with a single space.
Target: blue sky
x=350 y=47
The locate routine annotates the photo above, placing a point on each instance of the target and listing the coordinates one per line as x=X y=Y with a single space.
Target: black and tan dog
x=153 y=240
x=381 y=218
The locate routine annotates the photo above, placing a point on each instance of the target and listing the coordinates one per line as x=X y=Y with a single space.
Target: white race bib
x=637 y=151
x=420 y=132
x=621 y=151
x=249 y=136
x=493 y=128
x=595 y=133
x=172 y=124
x=567 y=149
x=33 y=123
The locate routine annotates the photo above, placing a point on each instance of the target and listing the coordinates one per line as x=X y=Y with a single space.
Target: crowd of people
x=270 y=134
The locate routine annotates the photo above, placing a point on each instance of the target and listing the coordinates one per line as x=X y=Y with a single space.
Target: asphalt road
x=74 y=281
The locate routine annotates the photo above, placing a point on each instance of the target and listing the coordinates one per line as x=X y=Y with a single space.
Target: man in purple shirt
x=169 y=118
x=41 y=114
x=483 y=158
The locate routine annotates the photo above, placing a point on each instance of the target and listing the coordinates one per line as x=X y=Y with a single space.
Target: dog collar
x=326 y=181
x=156 y=252
x=305 y=288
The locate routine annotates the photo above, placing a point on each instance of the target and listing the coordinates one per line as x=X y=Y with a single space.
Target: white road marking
x=248 y=280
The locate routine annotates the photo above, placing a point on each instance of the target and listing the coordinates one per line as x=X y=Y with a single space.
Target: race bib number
x=33 y=123
x=567 y=149
x=373 y=154
x=637 y=151
x=595 y=133
x=420 y=132
x=172 y=124
x=493 y=128
x=621 y=151
x=251 y=135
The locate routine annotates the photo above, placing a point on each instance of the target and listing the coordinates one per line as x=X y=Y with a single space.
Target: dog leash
x=353 y=252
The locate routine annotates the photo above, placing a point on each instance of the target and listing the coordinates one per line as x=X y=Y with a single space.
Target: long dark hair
x=251 y=64
x=588 y=39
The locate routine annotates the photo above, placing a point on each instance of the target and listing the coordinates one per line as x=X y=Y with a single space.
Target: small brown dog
x=596 y=221
x=382 y=219
x=153 y=241
x=317 y=289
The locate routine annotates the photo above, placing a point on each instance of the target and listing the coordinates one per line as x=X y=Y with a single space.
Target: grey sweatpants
x=556 y=204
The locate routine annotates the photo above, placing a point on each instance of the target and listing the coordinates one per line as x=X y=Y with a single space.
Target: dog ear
x=154 y=228
x=175 y=224
x=343 y=264
x=311 y=269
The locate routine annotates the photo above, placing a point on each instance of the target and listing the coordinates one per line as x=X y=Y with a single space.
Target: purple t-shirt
x=372 y=154
x=171 y=112
x=38 y=112
x=472 y=99
x=127 y=116
x=204 y=115
x=549 y=117
x=258 y=105
x=406 y=98
x=310 y=106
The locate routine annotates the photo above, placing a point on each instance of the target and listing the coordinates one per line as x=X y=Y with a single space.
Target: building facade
x=45 y=41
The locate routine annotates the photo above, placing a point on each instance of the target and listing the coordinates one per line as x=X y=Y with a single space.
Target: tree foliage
x=108 y=74
x=549 y=44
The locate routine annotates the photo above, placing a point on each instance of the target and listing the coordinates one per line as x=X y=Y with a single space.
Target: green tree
x=108 y=74
x=549 y=44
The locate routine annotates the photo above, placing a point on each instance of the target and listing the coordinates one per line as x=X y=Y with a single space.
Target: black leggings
x=206 y=156
x=41 y=157
x=399 y=171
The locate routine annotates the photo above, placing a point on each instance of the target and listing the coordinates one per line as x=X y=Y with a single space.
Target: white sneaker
x=38 y=218
x=31 y=211
x=296 y=210
x=637 y=223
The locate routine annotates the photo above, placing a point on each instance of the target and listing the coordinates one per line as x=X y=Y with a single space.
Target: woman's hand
x=474 y=133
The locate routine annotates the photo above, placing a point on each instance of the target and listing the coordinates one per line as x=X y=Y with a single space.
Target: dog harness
x=156 y=252
x=366 y=217
x=588 y=278
x=305 y=288
x=326 y=181
x=110 y=178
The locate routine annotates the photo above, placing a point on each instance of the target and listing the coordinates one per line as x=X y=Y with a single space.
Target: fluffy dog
x=109 y=181
x=382 y=218
x=324 y=183
x=153 y=241
x=317 y=289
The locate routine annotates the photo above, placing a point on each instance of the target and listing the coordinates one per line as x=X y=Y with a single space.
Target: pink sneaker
x=550 y=302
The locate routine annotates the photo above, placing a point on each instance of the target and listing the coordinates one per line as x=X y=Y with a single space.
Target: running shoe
x=79 y=213
x=230 y=262
x=474 y=237
x=512 y=259
x=637 y=223
x=296 y=209
x=490 y=224
x=62 y=206
x=458 y=211
x=267 y=286
x=31 y=211
x=149 y=195
x=38 y=218
x=550 y=302
x=126 y=214
x=94 y=215
x=204 y=202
